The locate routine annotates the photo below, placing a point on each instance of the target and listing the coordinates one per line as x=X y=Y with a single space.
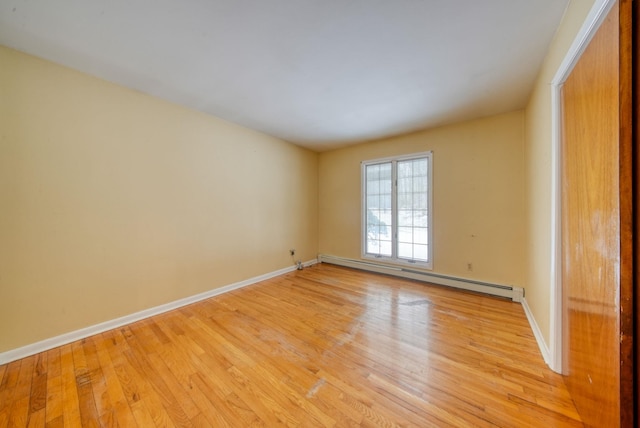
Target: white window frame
x=394 y=259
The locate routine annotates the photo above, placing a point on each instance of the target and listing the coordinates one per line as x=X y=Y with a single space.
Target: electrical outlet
x=292 y=251
x=470 y=267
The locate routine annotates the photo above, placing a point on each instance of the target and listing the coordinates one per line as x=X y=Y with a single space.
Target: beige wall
x=478 y=196
x=538 y=169
x=113 y=201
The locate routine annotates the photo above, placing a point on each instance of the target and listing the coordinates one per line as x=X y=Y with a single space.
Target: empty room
x=318 y=213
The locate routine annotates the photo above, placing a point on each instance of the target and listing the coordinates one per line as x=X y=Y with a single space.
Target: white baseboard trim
x=544 y=349
x=63 y=339
x=514 y=293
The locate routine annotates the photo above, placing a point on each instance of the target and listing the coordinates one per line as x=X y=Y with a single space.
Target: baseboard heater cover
x=514 y=293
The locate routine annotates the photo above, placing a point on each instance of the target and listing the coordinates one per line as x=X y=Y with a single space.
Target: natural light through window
x=397 y=209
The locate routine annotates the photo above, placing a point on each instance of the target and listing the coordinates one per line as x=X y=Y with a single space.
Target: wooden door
x=597 y=232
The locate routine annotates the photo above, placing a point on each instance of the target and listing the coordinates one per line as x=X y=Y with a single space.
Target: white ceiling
x=319 y=73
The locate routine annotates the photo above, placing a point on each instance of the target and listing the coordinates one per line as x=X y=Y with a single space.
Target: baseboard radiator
x=514 y=293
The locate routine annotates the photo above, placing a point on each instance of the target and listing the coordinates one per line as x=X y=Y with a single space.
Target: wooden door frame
x=636 y=204
x=628 y=224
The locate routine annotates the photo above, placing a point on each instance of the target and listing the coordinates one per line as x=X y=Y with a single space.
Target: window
x=397 y=209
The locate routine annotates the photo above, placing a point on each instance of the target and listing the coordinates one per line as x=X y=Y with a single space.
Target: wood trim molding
x=537 y=333
x=635 y=49
x=627 y=235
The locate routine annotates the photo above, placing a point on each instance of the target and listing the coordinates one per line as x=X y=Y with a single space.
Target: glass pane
x=420 y=218
x=405 y=234
x=385 y=171
x=385 y=201
x=404 y=185
x=373 y=187
x=384 y=217
x=420 y=252
x=378 y=201
x=404 y=169
x=420 y=167
x=385 y=248
x=413 y=234
x=373 y=216
x=420 y=201
x=373 y=173
x=405 y=201
x=405 y=251
x=420 y=235
x=372 y=246
x=405 y=218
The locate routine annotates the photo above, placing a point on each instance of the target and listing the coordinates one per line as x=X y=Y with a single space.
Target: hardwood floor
x=326 y=346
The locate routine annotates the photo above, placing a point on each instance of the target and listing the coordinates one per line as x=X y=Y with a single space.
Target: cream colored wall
x=478 y=196
x=538 y=169
x=113 y=201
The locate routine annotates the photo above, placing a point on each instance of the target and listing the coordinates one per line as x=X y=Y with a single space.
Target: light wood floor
x=326 y=346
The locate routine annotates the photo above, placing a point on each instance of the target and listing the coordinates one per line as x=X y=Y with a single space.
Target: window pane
x=420 y=201
x=420 y=184
x=405 y=201
x=373 y=246
x=420 y=252
x=385 y=248
x=420 y=218
x=412 y=209
x=385 y=218
x=404 y=185
x=405 y=234
x=404 y=170
x=385 y=201
x=405 y=251
x=385 y=171
x=405 y=218
x=420 y=167
x=379 y=214
x=420 y=235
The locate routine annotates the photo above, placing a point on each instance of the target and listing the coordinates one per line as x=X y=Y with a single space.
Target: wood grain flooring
x=326 y=346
